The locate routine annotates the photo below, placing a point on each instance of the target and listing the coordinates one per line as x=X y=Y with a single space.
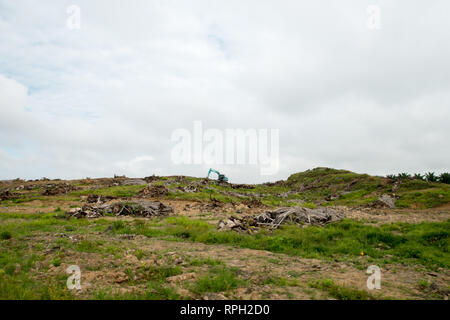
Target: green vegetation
x=218 y=279
x=429 y=176
x=116 y=191
x=340 y=292
x=56 y=262
x=160 y=273
x=279 y=281
x=5 y=235
x=154 y=291
x=352 y=189
x=24 y=288
x=445 y=178
x=424 y=243
x=207 y=261
x=16 y=281
x=424 y=199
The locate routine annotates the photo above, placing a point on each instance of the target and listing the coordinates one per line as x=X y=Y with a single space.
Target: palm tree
x=431 y=177
x=444 y=177
x=404 y=176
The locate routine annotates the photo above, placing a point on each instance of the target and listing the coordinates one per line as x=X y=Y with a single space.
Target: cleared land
x=183 y=255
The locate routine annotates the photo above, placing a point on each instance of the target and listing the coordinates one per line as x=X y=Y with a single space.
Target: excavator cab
x=220 y=177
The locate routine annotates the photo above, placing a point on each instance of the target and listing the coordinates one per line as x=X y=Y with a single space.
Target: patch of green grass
x=89 y=246
x=279 y=281
x=24 y=288
x=274 y=261
x=22 y=228
x=27 y=216
x=112 y=249
x=56 y=262
x=340 y=292
x=160 y=274
x=423 y=284
x=32 y=197
x=139 y=254
x=415 y=184
x=294 y=274
x=16 y=282
x=69 y=228
x=26 y=199
x=154 y=291
x=309 y=205
x=218 y=279
x=5 y=235
x=428 y=198
x=208 y=261
x=355 y=198
x=116 y=191
x=119 y=225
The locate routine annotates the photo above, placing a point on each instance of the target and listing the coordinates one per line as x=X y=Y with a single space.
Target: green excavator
x=220 y=177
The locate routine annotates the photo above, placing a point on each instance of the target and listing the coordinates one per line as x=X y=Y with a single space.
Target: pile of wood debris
x=154 y=191
x=85 y=211
x=139 y=208
x=53 y=189
x=151 y=178
x=253 y=203
x=275 y=218
x=242 y=186
x=8 y=195
x=191 y=188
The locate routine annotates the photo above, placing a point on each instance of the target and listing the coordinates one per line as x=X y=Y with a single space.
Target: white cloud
x=13 y=97
x=92 y=102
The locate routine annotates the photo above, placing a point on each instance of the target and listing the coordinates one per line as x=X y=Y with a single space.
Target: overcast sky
x=105 y=99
